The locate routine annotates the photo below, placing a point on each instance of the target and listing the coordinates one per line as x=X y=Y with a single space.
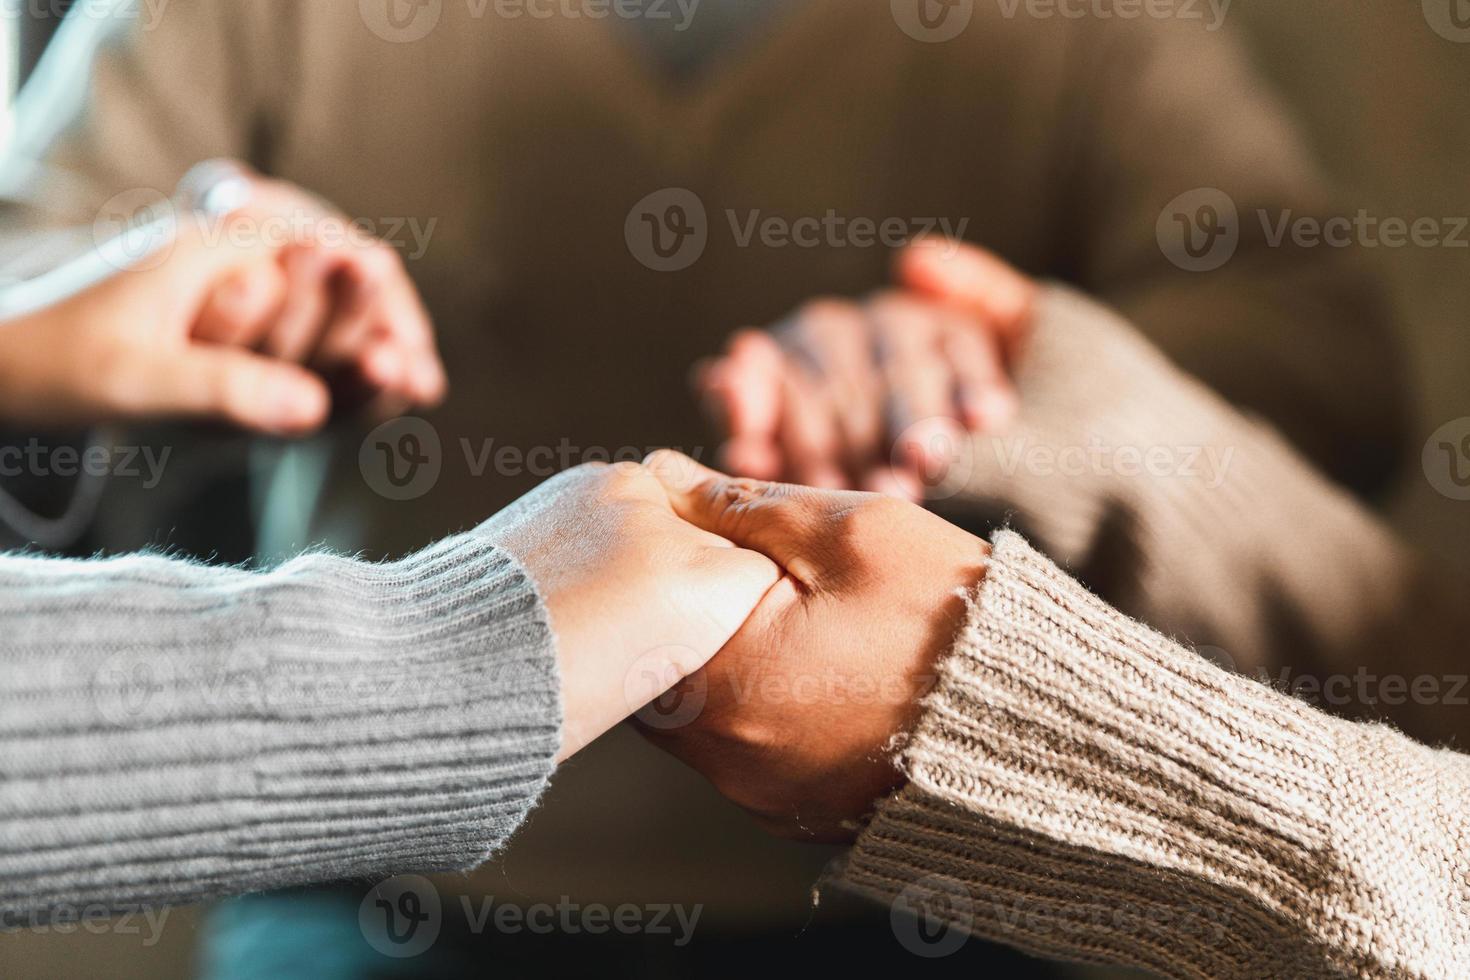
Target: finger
x=237 y=387
x=920 y=382
x=984 y=392
x=834 y=336
x=742 y=394
x=402 y=325
x=352 y=324
x=974 y=279
x=307 y=304
x=242 y=306
x=709 y=600
x=810 y=440
x=749 y=454
x=784 y=522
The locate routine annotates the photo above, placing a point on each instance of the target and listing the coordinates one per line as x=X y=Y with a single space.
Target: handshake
x=800 y=626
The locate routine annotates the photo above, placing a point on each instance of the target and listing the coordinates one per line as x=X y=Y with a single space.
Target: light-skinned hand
x=335 y=300
x=125 y=350
x=638 y=597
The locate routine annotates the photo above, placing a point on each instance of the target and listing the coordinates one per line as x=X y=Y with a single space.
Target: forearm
x=1206 y=525
x=1083 y=788
x=174 y=732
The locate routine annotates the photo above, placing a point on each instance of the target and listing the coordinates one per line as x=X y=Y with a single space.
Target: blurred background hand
x=125 y=350
x=871 y=395
x=336 y=299
x=238 y=324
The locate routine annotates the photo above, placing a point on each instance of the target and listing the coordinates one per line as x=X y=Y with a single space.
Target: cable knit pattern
x=171 y=732
x=1081 y=787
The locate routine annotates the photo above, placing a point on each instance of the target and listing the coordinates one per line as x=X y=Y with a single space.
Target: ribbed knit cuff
x=1082 y=788
x=332 y=719
x=446 y=737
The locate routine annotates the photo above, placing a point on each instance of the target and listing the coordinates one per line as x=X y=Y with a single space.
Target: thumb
x=974 y=279
x=239 y=387
x=787 y=524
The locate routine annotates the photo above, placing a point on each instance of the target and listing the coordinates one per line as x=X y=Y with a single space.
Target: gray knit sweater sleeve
x=171 y=732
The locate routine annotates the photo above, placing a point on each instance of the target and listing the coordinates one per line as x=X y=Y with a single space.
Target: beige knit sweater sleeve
x=1083 y=788
x=1208 y=526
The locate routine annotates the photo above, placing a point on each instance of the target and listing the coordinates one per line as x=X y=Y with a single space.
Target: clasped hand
x=801 y=627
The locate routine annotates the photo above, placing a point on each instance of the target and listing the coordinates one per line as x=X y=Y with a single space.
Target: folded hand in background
x=245 y=320
x=871 y=395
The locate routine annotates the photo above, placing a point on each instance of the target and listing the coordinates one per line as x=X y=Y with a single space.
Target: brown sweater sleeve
x=1302 y=335
x=1206 y=525
x=1081 y=787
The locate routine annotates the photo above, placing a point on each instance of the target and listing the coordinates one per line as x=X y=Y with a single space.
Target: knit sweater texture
x=171 y=732
x=1084 y=787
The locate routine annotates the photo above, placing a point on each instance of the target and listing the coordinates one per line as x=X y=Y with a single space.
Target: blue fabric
x=295 y=936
